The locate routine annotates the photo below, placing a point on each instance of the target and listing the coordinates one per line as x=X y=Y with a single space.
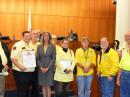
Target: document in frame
x=29 y=58
x=66 y=64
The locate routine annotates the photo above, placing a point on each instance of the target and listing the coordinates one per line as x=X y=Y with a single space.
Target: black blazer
x=7 y=53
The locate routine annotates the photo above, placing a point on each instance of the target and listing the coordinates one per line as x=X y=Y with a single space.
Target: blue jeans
x=84 y=85
x=125 y=84
x=106 y=86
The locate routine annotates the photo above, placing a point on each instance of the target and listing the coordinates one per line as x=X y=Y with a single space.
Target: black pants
x=34 y=89
x=61 y=89
x=23 y=82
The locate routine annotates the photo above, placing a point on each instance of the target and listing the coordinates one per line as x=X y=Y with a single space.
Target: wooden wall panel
x=75 y=24
x=14 y=6
x=3 y=5
x=99 y=28
x=84 y=8
x=111 y=31
x=12 y=24
x=93 y=18
x=85 y=27
x=112 y=11
x=99 y=8
x=2 y=24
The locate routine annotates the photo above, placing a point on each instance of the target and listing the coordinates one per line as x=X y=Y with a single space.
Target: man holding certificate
x=64 y=69
x=24 y=63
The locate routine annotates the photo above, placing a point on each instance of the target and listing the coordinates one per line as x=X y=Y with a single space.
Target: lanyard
x=86 y=56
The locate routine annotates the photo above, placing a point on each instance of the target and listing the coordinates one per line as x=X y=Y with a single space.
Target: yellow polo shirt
x=125 y=62
x=108 y=64
x=34 y=46
x=80 y=57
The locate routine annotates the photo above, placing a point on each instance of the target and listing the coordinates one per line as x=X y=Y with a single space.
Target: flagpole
x=29 y=20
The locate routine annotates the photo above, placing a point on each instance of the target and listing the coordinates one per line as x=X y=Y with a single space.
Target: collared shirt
x=17 y=54
x=86 y=58
x=60 y=74
x=108 y=63
x=125 y=62
x=34 y=46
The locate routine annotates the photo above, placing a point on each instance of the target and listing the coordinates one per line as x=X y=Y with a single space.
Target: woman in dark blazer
x=46 y=56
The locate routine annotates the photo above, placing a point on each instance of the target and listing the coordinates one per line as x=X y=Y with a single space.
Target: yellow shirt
x=16 y=53
x=3 y=56
x=125 y=62
x=34 y=46
x=44 y=49
x=108 y=63
x=60 y=75
x=58 y=48
x=85 y=58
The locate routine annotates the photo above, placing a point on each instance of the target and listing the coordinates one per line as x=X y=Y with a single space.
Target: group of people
x=55 y=65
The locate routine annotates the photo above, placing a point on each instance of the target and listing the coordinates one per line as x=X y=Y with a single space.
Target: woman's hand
x=44 y=70
x=67 y=71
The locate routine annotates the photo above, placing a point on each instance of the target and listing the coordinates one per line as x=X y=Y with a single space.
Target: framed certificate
x=28 y=58
x=66 y=64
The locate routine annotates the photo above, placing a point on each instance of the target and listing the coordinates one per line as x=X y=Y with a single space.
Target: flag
x=29 y=20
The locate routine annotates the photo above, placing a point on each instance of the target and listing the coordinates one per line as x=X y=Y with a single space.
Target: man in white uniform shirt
x=22 y=74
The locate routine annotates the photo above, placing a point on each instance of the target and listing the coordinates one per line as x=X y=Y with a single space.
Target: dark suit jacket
x=7 y=53
x=46 y=59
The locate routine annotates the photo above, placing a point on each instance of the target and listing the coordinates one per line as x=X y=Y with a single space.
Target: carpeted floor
x=13 y=94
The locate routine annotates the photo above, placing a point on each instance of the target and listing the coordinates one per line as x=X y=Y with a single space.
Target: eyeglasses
x=54 y=38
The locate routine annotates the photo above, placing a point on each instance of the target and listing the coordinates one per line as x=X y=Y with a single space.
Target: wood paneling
x=93 y=18
x=99 y=8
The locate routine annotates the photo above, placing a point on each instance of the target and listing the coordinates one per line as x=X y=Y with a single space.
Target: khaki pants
x=2 y=85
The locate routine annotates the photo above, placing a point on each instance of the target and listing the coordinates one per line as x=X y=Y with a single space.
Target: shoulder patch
x=14 y=48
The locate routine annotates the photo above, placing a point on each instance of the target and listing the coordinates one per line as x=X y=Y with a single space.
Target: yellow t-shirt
x=125 y=62
x=85 y=58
